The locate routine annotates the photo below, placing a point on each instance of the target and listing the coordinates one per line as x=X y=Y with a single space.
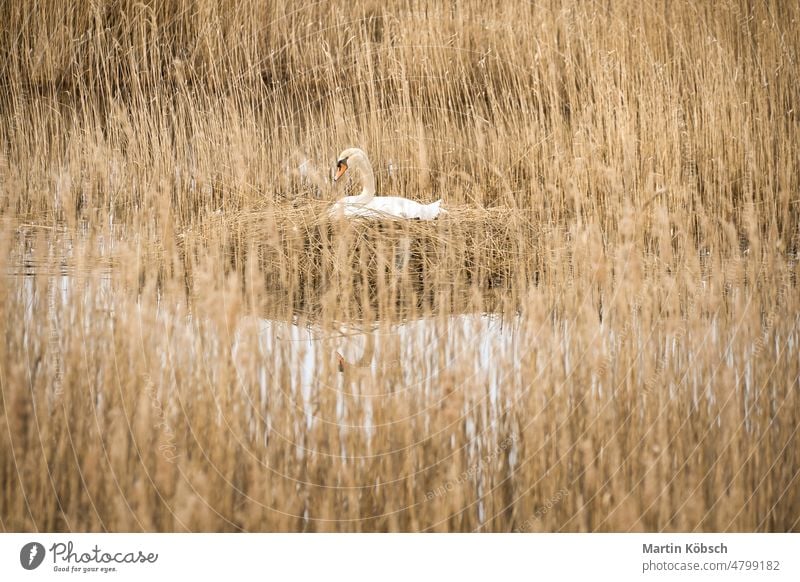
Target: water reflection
x=378 y=363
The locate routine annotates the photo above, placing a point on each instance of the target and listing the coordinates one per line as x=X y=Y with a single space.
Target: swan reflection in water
x=371 y=365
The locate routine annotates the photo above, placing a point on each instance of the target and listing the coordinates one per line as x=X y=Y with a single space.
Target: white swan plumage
x=367 y=204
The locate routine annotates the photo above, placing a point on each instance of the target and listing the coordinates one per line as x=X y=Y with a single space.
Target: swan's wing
x=431 y=211
x=398 y=207
x=391 y=207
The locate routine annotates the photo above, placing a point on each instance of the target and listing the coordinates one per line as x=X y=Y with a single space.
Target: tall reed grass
x=601 y=335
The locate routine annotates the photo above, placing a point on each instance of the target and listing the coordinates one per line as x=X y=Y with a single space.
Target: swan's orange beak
x=341 y=168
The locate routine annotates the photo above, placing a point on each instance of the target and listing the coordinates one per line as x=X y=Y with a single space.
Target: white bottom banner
x=353 y=557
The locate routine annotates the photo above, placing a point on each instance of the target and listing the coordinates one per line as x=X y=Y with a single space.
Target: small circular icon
x=31 y=555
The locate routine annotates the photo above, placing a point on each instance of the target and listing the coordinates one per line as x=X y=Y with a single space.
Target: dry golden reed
x=601 y=335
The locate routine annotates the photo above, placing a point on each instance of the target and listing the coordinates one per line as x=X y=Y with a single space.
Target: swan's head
x=350 y=157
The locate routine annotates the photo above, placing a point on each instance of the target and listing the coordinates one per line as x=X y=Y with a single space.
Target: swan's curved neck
x=367 y=177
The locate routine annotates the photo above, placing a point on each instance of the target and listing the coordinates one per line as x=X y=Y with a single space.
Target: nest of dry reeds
x=301 y=251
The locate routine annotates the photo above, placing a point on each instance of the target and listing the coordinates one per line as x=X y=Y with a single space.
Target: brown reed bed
x=601 y=335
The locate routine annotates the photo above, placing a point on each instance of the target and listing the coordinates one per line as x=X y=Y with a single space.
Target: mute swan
x=366 y=204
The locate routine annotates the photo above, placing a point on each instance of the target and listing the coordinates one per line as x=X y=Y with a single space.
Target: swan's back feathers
x=403 y=208
x=387 y=207
x=431 y=211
